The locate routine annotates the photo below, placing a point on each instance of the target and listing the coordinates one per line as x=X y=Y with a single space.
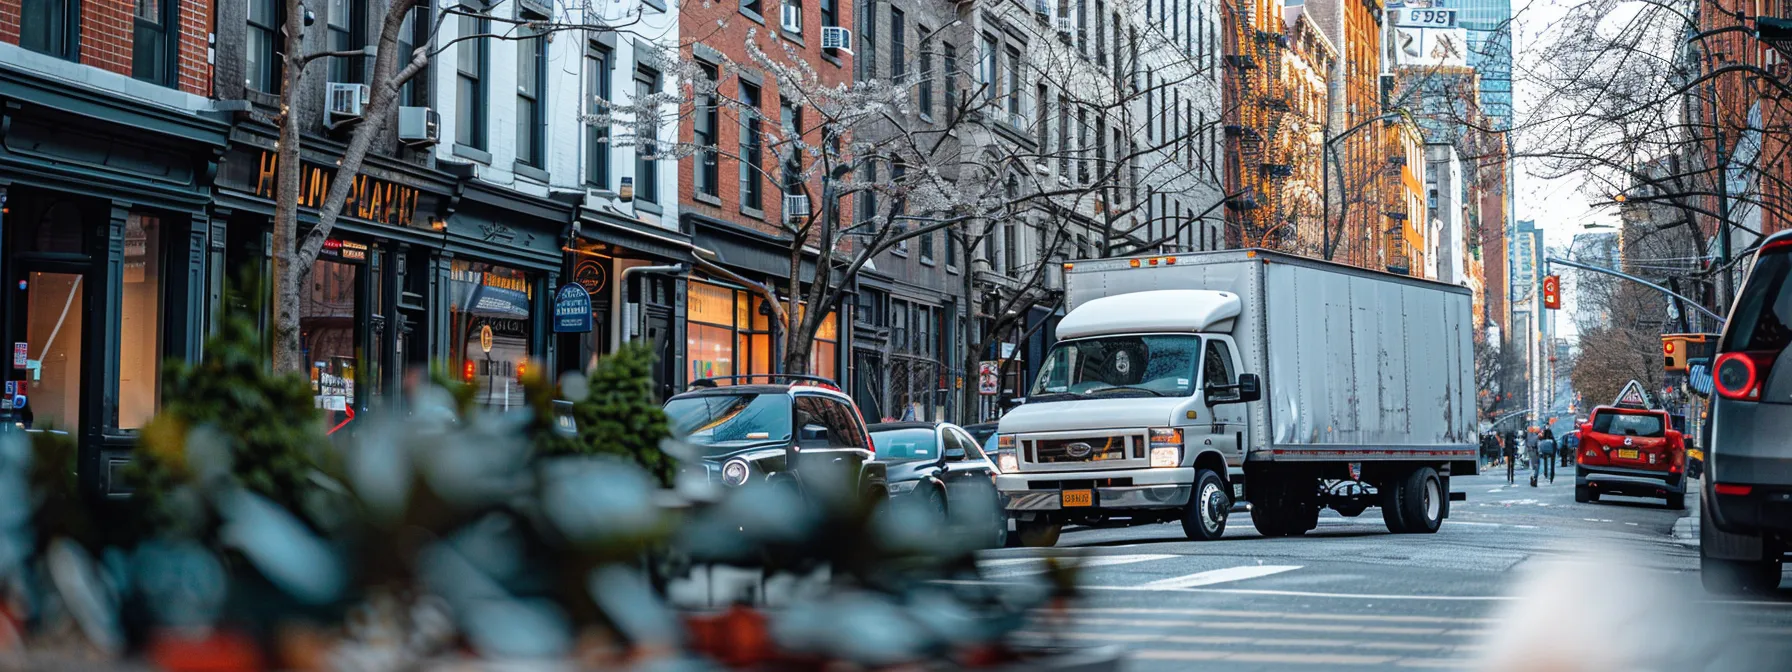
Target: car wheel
x=1421 y=502
x=1037 y=534
x=1583 y=494
x=1677 y=501
x=1204 y=518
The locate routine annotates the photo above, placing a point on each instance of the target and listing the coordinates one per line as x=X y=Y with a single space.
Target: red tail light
x=1777 y=246
x=1740 y=375
x=467 y=372
x=1732 y=489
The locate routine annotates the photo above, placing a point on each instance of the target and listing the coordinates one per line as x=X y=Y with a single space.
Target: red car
x=1633 y=452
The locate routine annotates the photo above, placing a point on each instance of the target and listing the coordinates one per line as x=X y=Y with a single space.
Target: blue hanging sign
x=572 y=309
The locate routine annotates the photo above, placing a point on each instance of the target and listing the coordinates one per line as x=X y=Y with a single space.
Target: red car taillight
x=1740 y=375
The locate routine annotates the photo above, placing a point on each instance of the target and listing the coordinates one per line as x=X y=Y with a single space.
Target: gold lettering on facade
x=369 y=198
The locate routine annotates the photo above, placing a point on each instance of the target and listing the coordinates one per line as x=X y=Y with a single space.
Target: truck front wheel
x=1037 y=533
x=1204 y=519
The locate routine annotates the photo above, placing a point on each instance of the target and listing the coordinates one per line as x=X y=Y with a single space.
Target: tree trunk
x=288 y=273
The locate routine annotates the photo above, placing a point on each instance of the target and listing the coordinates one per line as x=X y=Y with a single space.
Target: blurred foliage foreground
x=445 y=534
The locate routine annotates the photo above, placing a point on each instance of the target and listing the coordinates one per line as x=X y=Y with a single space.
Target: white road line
x=1226 y=575
x=1302 y=593
x=1304 y=616
x=1007 y=567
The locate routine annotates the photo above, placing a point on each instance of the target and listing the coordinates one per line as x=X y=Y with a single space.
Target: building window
x=597 y=135
x=752 y=7
x=531 y=55
x=829 y=16
x=1063 y=137
x=50 y=26
x=491 y=299
x=927 y=246
x=926 y=93
x=725 y=332
x=1082 y=26
x=345 y=33
x=1014 y=91
x=1101 y=39
x=898 y=45
x=951 y=248
x=790 y=17
x=261 y=67
x=866 y=60
x=151 y=47
x=790 y=120
x=140 y=323
x=1011 y=247
x=986 y=68
x=868 y=198
x=705 y=126
x=751 y=184
x=647 y=134
x=413 y=32
x=950 y=56
x=1082 y=146
x=471 y=57
x=1041 y=116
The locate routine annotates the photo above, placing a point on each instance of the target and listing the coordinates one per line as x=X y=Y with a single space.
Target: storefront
x=634 y=273
x=103 y=233
x=728 y=327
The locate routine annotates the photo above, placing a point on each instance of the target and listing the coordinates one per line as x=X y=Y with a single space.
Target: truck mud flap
x=1458 y=496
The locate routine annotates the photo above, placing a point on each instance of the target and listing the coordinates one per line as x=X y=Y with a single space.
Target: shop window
x=727 y=332
x=327 y=324
x=824 y=352
x=140 y=324
x=491 y=323
x=54 y=318
x=50 y=26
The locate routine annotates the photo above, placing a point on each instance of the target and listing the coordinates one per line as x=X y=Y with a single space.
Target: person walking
x=1546 y=450
x=1570 y=444
x=1530 y=453
x=1509 y=453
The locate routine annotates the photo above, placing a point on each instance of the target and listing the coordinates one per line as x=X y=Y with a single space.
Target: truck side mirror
x=1249 y=387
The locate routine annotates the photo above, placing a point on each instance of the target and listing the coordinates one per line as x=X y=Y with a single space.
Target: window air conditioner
x=836 y=38
x=418 y=126
x=796 y=207
x=345 y=103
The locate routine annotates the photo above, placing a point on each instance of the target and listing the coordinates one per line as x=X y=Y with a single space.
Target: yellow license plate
x=1079 y=498
x=1627 y=454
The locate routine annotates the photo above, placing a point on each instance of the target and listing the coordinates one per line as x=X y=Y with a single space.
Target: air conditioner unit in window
x=1066 y=25
x=417 y=126
x=345 y=103
x=836 y=38
x=796 y=207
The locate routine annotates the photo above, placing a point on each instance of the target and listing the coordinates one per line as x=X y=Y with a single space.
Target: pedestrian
x=1546 y=450
x=1530 y=453
x=1509 y=452
x=1570 y=445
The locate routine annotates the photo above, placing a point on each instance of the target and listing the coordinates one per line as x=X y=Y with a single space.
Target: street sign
x=1552 y=292
x=572 y=309
x=485 y=338
x=1698 y=376
x=1633 y=396
x=18 y=356
x=989 y=377
x=1415 y=17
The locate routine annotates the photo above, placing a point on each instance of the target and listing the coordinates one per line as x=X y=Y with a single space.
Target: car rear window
x=1763 y=309
x=1628 y=424
x=906 y=444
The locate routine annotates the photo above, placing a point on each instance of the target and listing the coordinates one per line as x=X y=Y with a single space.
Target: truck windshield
x=727 y=422
x=1153 y=365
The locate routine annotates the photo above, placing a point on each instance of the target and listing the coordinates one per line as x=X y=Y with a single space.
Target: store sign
x=19 y=355
x=485 y=338
x=989 y=377
x=371 y=199
x=345 y=249
x=591 y=274
x=572 y=309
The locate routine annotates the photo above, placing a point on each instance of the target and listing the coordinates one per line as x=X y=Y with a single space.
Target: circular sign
x=590 y=274
x=485 y=338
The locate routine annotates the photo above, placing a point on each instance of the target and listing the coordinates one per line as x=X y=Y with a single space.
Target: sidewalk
x=1686 y=529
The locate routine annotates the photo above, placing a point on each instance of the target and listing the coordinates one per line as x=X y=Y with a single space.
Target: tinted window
x=1161 y=364
x=968 y=444
x=1626 y=424
x=730 y=421
x=824 y=422
x=906 y=444
x=1217 y=367
x=1764 y=308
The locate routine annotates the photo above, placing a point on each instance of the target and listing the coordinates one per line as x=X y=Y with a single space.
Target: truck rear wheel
x=1415 y=503
x=1204 y=518
x=1037 y=533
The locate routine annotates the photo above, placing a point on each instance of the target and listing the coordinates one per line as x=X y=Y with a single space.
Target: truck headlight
x=1166 y=437
x=1166 y=457
x=734 y=472
x=1006 y=463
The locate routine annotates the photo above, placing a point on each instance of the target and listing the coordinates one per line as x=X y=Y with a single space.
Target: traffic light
x=1678 y=351
x=1552 y=292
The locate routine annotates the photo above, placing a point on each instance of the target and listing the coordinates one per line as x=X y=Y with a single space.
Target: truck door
x=1226 y=422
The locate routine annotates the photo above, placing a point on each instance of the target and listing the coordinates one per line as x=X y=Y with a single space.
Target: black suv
x=1745 y=521
x=797 y=429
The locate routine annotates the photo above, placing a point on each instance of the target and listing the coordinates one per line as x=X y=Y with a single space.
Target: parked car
x=1745 y=517
x=941 y=464
x=1630 y=451
x=798 y=429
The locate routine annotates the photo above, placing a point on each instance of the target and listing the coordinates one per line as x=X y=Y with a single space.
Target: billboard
x=1430 y=46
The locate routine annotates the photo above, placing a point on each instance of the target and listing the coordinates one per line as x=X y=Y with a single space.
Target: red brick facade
x=699 y=24
x=106 y=36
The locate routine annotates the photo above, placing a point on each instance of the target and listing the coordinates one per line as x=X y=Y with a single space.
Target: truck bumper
x=1117 y=489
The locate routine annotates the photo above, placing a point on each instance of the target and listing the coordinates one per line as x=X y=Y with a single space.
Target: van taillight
x=1740 y=375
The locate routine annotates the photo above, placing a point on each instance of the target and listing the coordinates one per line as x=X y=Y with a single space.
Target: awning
x=611 y=229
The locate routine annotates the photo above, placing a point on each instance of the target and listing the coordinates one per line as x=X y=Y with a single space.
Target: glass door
x=46 y=348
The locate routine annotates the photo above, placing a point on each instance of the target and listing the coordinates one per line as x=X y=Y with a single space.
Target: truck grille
x=1091 y=449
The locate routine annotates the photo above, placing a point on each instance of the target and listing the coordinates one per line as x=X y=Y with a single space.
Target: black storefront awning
x=745 y=249
x=612 y=229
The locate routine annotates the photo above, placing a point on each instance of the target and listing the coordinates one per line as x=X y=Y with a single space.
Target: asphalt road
x=1518 y=578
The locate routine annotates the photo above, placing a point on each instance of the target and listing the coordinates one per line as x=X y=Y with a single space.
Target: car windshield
x=725 y=422
x=1627 y=424
x=1152 y=365
x=898 y=445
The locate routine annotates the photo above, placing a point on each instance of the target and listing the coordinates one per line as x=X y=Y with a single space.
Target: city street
x=1350 y=595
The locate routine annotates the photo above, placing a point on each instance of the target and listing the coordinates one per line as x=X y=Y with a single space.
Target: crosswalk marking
x=1226 y=575
x=1234 y=613
x=1284 y=627
x=1012 y=567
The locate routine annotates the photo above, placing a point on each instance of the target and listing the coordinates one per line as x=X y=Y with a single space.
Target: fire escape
x=1259 y=104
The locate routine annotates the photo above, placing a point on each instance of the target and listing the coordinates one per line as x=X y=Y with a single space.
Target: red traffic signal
x=1552 y=292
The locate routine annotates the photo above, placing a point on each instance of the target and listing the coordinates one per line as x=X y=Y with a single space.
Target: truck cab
x=1138 y=413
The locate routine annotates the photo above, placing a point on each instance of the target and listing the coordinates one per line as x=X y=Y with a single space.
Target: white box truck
x=1183 y=383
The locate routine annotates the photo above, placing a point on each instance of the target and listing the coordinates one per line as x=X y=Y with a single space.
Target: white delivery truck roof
x=1161 y=310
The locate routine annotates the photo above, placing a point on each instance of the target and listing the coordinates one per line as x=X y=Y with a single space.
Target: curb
x=1686 y=529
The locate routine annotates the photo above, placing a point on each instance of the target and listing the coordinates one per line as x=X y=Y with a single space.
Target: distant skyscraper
x=1489 y=25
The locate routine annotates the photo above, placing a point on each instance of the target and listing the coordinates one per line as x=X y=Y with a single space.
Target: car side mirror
x=1586 y=428
x=1248 y=388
